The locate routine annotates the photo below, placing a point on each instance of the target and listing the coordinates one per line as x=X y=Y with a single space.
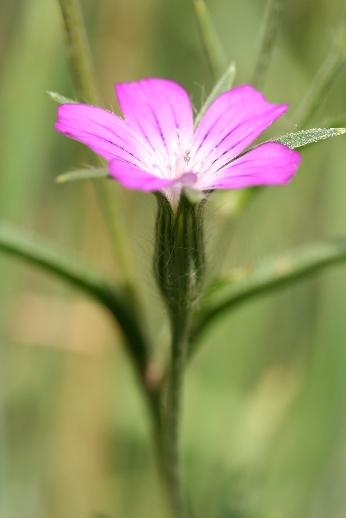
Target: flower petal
x=232 y=122
x=102 y=131
x=160 y=110
x=267 y=164
x=132 y=177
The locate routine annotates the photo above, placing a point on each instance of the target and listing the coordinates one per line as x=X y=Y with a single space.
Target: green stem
x=85 y=85
x=270 y=32
x=170 y=432
x=179 y=271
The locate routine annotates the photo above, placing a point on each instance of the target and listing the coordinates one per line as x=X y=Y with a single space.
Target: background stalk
x=86 y=90
x=270 y=31
x=320 y=86
x=212 y=45
x=79 y=52
x=85 y=85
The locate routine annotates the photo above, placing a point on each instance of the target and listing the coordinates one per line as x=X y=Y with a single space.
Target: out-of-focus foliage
x=265 y=420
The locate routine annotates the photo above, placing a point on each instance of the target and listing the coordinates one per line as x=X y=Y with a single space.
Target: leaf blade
x=304 y=138
x=270 y=276
x=73 y=271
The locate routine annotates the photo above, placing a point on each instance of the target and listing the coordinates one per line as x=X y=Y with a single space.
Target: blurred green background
x=265 y=406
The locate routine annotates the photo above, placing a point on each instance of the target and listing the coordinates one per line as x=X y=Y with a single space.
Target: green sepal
x=179 y=252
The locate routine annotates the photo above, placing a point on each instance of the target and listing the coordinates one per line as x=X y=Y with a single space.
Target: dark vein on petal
x=103 y=139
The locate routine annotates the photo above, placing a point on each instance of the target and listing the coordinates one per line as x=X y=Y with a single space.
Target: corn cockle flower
x=155 y=147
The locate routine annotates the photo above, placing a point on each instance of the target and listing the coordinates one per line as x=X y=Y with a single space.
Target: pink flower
x=156 y=148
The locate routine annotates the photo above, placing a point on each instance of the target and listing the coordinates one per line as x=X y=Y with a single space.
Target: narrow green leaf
x=229 y=293
x=210 y=39
x=72 y=271
x=223 y=84
x=310 y=136
x=91 y=173
x=60 y=99
x=299 y=139
x=45 y=256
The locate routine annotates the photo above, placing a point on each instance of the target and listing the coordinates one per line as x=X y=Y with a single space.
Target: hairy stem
x=170 y=432
x=179 y=272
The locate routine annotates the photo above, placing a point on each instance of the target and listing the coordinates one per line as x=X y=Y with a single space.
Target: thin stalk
x=83 y=77
x=82 y=71
x=170 y=432
x=325 y=75
x=270 y=31
x=113 y=218
x=79 y=51
x=212 y=45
